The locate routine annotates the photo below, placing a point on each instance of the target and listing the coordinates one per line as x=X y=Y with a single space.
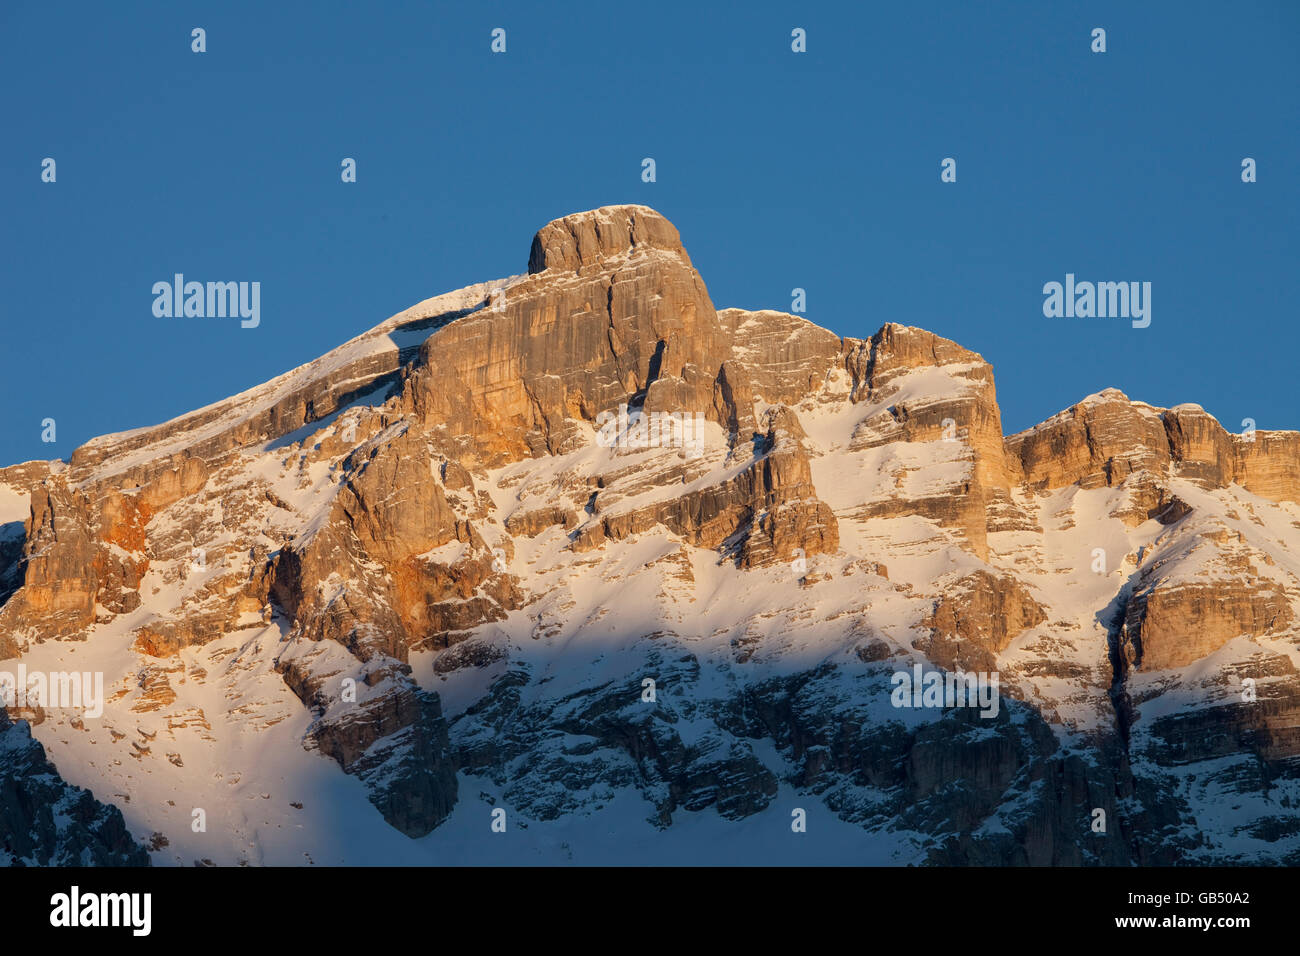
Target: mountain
x=648 y=576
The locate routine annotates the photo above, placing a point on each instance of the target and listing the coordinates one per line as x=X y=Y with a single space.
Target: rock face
x=611 y=304
x=575 y=543
x=766 y=513
x=977 y=619
x=46 y=822
x=1106 y=438
x=1188 y=601
x=1098 y=443
x=59 y=583
x=925 y=389
x=1268 y=464
x=1176 y=625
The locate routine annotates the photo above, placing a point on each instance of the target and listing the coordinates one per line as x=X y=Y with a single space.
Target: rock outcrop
x=46 y=822
x=610 y=305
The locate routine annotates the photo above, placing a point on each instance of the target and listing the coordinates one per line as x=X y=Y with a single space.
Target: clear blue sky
x=818 y=170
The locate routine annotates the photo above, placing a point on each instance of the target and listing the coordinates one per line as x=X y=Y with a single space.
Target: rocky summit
x=419 y=601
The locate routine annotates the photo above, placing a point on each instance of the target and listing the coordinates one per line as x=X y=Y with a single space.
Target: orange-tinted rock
x=1201 y=450
x=1268 y=465
x=1096 y=443
x=59 y=580
x=978 y=617
x=769 y=511
x=611 y=304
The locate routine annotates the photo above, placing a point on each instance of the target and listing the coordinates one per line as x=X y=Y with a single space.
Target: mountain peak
x=586 y=238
